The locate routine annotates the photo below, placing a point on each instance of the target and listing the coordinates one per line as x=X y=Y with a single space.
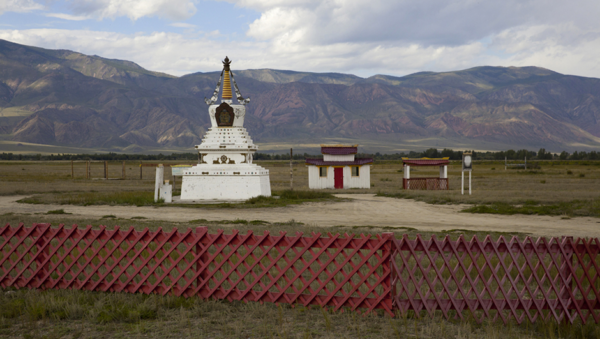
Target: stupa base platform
x=177 y=200
x=203 y=183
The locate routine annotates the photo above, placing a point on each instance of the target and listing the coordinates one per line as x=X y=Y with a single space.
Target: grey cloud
x=88 y=6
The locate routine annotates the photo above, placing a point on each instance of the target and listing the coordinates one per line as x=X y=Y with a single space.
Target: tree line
x=510 y=154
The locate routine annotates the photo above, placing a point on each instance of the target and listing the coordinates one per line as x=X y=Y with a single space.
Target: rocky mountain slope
x=58 y=97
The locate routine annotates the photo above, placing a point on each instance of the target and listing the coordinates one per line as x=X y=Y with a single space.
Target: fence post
x=87 y=169
x=203 y=258
x=105 y=169
x=140 y=169
x=72 y=174
x=123 y=171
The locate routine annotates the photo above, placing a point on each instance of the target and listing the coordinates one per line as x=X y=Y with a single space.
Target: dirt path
x=362 y=210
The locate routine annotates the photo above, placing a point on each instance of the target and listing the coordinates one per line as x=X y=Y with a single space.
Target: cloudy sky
x=362 y=37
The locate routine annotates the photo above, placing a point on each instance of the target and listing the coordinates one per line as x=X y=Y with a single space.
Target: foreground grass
x=565 y=209
x=84 y=314
x=94 y=198
x=257 y=226
x=279 y=199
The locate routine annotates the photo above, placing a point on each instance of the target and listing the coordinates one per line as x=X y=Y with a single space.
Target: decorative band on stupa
x=227 y=95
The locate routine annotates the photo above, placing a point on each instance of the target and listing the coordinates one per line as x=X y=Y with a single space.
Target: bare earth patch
x=361 y=210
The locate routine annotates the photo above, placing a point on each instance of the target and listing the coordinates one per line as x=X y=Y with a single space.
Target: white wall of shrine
x=315 y=181
x=338 y=157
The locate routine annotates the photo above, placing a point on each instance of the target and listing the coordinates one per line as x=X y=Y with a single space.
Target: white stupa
x=225 y=170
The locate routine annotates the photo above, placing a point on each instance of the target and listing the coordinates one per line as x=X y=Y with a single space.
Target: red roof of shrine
x=425 y=162
x=339 y=149
x=321 y=162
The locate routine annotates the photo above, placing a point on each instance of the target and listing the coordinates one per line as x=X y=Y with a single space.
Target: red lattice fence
x=425 y=184
x=530 y=279
x=500 y=279
x=337 y=271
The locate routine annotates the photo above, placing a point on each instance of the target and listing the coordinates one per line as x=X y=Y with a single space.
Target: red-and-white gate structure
x=503 y=279
x=431 y=183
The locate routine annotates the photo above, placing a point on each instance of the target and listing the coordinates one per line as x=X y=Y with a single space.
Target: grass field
x=553 y=187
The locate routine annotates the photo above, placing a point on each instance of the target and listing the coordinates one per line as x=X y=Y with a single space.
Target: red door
x=338 y=177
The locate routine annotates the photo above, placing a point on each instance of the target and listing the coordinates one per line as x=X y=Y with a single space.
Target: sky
x=361 y=37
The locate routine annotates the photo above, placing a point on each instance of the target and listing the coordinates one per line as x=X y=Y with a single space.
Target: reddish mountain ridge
x=57 y=97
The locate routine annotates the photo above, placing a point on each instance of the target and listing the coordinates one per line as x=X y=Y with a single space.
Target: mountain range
x=63 y=100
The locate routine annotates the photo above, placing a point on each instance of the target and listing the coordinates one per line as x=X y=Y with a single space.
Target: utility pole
x=291 y=170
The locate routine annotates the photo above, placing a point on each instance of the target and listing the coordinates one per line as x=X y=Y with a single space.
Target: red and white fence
x=500 y=279
x=425 y=184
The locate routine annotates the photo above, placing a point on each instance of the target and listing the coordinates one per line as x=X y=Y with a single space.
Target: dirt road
x=361 y=210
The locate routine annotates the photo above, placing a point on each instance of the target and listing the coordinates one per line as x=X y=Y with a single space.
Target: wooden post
x=123 y=171
x=105 y=169
x=291 y=171
x=87 y=169
x=140 y=169
x=72 y=174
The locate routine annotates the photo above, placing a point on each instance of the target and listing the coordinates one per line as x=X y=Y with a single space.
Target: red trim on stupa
x=425 y=162
x=339 y=150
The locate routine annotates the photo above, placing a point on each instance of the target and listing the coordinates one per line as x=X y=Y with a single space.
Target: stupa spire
x=227 y=95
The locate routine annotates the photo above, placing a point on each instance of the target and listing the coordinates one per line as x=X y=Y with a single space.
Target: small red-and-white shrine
x=339 y=168
x=440 y=183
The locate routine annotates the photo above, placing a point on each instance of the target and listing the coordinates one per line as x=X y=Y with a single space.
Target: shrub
x=60 y=211
x=304 y=195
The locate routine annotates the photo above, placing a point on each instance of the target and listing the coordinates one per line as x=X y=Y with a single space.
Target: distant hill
x=76 y=101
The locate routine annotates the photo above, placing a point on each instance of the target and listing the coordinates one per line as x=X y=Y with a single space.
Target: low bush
x=60 y=211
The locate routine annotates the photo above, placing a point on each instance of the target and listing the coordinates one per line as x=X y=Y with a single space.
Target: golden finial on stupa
x=226 y=81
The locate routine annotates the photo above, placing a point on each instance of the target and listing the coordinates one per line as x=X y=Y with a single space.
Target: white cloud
x=68 y=16
x=19 y=6
x=426 y=22
x=134 y=9
x=563 y=48
x=349 y=36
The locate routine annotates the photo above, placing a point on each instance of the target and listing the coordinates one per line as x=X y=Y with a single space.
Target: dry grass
x=489 y=185
x=77 y=314
x=565 y=187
